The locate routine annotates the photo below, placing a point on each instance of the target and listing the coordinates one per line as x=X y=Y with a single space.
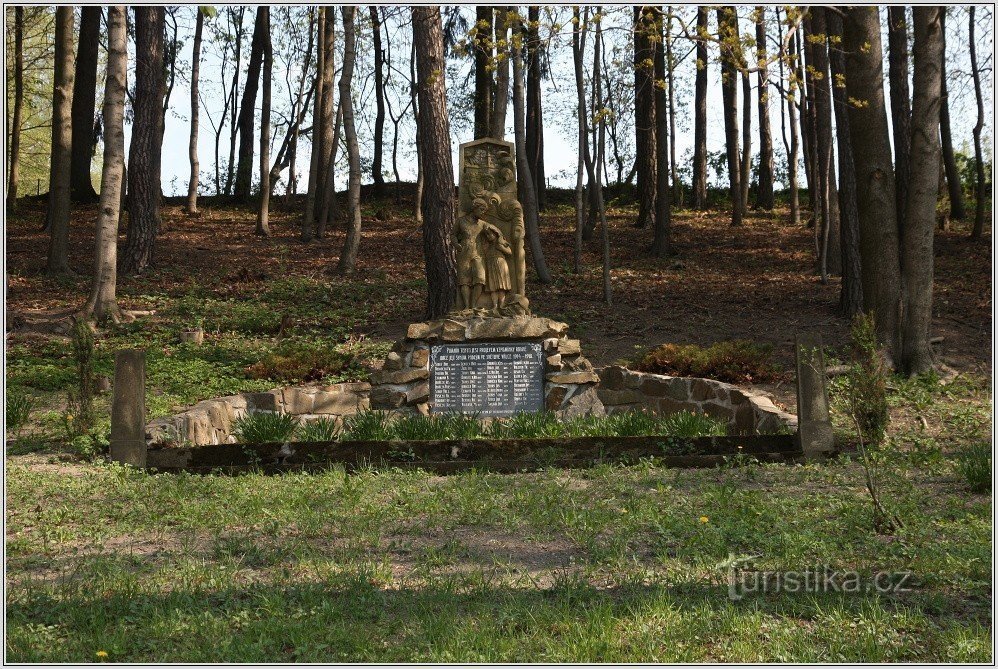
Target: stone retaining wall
x=619 y=389
x=210 y=421
x=746 y=411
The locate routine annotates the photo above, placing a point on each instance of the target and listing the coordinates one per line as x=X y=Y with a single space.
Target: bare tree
x=348 y=257
x=192 y=148
x=84 y=105
x=62 y=144
x=660 y=246
x=247 y=112
x=103 y=303
x=584 y=158
x=144 y=187
x=263 y=214
x=644 y=114
x=535 y=116
x=379 y=95
x=437 y=203
x=308 y=218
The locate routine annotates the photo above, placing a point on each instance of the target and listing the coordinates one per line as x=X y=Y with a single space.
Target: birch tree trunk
x=102 y=305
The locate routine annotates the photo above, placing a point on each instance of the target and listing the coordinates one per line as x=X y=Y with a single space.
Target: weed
x=867 y=382
x=303 y=360
x=263 y=427
x=735 y=361
x=974 y=465
x=79 y=416
x=18 y=408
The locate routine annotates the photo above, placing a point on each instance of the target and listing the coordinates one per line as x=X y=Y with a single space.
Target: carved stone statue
x=489 y=232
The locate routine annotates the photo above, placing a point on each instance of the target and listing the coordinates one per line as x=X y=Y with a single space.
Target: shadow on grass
x=353 y=618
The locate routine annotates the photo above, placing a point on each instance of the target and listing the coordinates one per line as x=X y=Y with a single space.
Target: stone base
x=569 y=380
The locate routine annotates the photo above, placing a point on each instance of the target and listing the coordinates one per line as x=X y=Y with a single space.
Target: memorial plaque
x=490 y=379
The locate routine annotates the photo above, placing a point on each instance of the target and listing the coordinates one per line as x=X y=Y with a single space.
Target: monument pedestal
x=492 y=366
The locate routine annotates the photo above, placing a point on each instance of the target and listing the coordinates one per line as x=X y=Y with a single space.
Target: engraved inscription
x=490 y=379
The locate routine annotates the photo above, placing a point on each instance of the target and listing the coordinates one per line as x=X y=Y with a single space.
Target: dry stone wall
x=746 y=411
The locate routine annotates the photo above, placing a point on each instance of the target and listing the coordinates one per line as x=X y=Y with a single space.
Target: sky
x=560 y=128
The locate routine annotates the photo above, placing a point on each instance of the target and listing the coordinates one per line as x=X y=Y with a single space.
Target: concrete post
x=128 y=408
x=814 y=424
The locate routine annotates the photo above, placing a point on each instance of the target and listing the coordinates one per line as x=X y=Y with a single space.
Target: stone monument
x=489 y=356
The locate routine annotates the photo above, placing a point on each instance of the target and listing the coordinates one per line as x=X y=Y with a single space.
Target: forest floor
x=608 y=564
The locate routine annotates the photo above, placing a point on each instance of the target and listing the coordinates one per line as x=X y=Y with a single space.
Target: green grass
x=611 y=564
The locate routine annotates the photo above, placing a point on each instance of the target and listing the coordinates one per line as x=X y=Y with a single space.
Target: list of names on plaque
x=490 y=379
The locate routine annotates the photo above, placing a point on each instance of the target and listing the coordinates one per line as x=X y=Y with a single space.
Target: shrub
x=974 y=465
x=17 y=412
x=735 y=361
x=867 y=382
x=297 y=360
x=265 y=428
x=320 y=429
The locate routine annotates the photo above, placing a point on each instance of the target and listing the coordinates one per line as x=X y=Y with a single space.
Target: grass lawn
x=609 y=564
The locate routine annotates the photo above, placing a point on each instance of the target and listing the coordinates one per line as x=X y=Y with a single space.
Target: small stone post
x=814 y=428
x=128 y=408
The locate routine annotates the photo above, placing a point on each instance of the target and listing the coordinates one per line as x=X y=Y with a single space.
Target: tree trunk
x=793 y=151
x=263 y=214
x=247 y=112
x=535 y=117
x=875 y=195
x=764 y=198
x=851 y=294
x=920 y=221
x=144 y=189
x=239 y=14
x=418 y=203
x=980 y=192
x=897 y=48
x=85 y=105
x=729 y=92
x=62 y=144
x=663 y=224
x=745 y=178
x=584 y=160
x=700 y=116
x=348 y=257
x=13 y=177
x=483 y=76
x=806 y=119
x=601 y=144
x=102 y=305
x=525 y=175
x=329 y=127
x=192 y=148
x=379 y=94
x=501 y=91
x=433 y=127
x=644 y=115
x=670 y=71
x=958 y=210
x=831 y=253
x=308 y=218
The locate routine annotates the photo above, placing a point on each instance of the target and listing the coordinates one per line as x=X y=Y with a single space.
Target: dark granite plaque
x=490 y=379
